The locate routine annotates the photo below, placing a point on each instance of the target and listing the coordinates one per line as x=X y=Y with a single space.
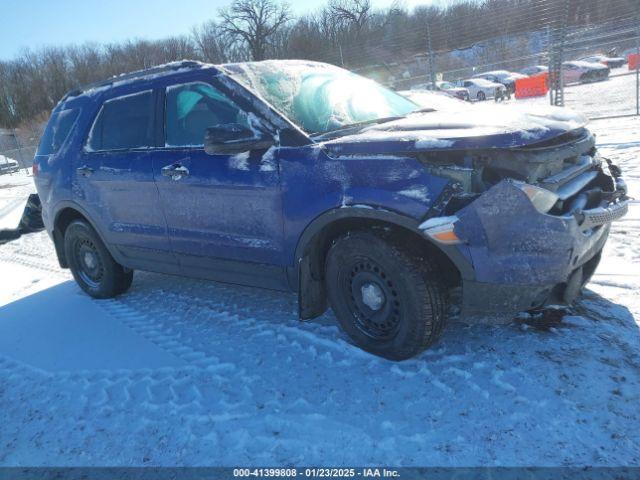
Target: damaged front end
x=531 y=221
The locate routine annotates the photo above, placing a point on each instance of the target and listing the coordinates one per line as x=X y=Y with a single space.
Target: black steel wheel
x=372 y=298
x=387 y=300
x=91 y=264
x=87 y=258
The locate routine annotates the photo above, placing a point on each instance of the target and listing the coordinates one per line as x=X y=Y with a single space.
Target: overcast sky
x=37 y=23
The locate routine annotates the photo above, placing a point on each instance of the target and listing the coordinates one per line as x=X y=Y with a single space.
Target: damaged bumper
x=520 y=258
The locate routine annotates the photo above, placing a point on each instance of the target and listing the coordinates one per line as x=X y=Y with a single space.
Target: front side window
x=193 y=107
x=124 y=123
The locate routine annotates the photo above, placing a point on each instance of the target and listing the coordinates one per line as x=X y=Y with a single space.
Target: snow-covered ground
x=14 y=191
x=188 y=372
x=616 y=96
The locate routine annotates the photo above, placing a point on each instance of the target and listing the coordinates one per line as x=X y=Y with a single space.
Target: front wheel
x=387 y=300
x=481 y=97
x=91 y=264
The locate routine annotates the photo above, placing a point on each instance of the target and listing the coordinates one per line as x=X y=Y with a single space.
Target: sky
x=37 y=23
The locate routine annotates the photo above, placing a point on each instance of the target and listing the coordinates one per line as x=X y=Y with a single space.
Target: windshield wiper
x=350 y=126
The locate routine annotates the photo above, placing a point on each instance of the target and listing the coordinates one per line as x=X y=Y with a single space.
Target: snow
x=190 y=372
x=456 y=120
x=438 y=222
x=239 y=161
x=420 y=193
x=14 y=191
x=267 y=162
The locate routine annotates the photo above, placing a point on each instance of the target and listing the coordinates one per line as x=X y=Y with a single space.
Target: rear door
x=225 y=211
x=116 y=180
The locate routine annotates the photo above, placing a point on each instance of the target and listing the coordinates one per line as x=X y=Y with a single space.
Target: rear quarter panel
x=54 y=181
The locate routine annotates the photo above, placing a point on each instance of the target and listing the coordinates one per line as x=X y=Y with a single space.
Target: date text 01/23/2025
x=316 y=472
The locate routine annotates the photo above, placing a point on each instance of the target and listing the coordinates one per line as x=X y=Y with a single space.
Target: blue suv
x=295 y=175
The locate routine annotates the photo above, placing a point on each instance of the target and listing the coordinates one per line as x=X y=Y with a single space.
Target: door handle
x=175 y=171
x=84 y=170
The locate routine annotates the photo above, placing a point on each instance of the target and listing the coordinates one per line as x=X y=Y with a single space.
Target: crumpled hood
x=461 y=126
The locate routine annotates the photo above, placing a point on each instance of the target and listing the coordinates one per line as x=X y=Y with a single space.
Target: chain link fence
x=577 y=59
x=18 y=147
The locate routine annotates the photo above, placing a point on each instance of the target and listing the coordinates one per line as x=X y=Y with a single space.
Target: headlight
x=543 y=200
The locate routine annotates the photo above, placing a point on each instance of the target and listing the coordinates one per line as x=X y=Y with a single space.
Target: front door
x=223 y=212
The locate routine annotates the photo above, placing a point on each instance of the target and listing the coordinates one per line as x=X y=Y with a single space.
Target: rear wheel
x=386 y=299
x=481 y=97
x=91 y=264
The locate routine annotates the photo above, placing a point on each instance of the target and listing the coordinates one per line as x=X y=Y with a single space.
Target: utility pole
x=558 y=37
x=432 y=71
x=638 y=59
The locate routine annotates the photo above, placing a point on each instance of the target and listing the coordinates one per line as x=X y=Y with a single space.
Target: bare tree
x=352 y=15
x=254 y=23
x=213 y=46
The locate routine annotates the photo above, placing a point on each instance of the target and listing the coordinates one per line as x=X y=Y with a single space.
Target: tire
x=387 y=300
x=481 y=96
x=91 y=264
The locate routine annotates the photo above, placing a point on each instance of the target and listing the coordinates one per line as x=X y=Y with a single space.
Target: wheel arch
x=307 y=276
x=66 y=213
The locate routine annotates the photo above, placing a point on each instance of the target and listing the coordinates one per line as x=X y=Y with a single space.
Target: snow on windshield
x=320 y=97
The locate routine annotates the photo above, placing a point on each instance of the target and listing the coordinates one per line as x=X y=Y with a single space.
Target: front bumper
x=523 y=259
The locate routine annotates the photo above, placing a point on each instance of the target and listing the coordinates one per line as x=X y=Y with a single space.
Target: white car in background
x=436 y=100
x=611 y=62
x=534 y=70
x=577 y=71
x=506 y=78
x=447 y=88
x=481 y=89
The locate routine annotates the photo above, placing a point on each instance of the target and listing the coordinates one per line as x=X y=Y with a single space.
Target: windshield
x=320 y=98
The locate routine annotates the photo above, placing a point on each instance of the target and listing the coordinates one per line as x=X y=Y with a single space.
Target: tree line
x=343 y=32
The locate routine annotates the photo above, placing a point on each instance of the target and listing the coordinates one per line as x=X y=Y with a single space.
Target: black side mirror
x=232 y=138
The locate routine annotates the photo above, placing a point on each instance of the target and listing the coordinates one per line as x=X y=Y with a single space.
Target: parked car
x=611 y=62
x=481 y=89
x=506 y=78
x=297 y=175
x=583 y=72
x=534 y=70
x=8 y=166
x=447 y=88
x=428 y=99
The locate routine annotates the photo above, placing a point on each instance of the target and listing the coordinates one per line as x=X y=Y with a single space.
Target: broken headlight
x=542 y=199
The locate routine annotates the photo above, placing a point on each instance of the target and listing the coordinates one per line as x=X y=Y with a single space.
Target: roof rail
x=167 y=67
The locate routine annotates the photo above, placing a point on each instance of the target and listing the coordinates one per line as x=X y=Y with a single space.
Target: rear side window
x=57 y=131
x=123 y=123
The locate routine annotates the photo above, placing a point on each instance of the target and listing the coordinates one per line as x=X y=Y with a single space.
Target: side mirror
x=232 y=138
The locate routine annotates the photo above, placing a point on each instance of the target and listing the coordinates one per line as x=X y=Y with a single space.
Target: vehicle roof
x=166 y=69
x=174 y=68
x=581 y=63
x=494 y=72
x=480 y=81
